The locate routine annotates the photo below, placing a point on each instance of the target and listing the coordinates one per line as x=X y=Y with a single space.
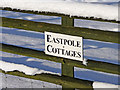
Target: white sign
x=65 y=46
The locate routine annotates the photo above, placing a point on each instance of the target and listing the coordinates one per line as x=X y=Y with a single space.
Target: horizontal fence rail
x=77 y=31
x=67 y=79
x=93 y=65
x=60 y=15
x=68 y=82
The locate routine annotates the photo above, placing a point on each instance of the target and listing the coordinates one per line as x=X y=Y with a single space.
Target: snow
x=74 y=0
x=65 y=7
x=28 y=65
x=22 y=68
x=103 y=85
x=106 y=26
x=96 y=50
x=21 y=82
x=94 y=0
x=96 y=76
x=13 y=67
x=99 y=0
x=44 y=66
x=101 y=51
x=31 y=17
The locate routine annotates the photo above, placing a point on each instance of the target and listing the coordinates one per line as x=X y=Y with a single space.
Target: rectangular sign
x=65 y=46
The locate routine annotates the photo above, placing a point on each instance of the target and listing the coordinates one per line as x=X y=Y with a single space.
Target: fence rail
x=93 y=65
x=94 y=34
x=60 y=15
x=67 y=79
x=68 y=82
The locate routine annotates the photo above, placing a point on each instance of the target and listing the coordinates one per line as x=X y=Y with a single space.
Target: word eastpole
x=63 y=45
x=63 y=42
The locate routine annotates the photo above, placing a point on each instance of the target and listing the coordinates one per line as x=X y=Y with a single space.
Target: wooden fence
x=67 y=79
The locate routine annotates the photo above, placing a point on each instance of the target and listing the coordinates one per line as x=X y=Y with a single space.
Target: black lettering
x=61 y=40
x=58 y=50
x=54 y=40
x=57 y=40
x=79 y=54
x=48 y=48
x=62 y=51
x=73 y=53
x=69 y=42
x=65 y=41
x=73 y=43
x=67 y=53
x=78 y=44
x=54 y=50
x=48 y=38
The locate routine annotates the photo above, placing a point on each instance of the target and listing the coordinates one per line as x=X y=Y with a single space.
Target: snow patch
x=6 y=66
x=93 y=49
x=96 y=76
x=106 y=26
x=65 y=7
x=11 y=81
x=22 y=68
x=104 y=85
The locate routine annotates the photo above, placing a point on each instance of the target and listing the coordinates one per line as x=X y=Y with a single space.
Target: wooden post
x=68 y=71
x=67 y=21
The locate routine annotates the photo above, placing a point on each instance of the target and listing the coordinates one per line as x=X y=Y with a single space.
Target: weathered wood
x=93 y=65
x=67 y=70
x=60 y=80
x=67 y=21
x=82 y=32
x=67 y=79
x=59 y=15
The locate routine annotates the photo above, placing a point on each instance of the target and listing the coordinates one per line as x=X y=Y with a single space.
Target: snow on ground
x=94 y=0
x=31 y=17
x=96 y=50
x=96 y=76
x=101 y=51
x=13 y=60
x=57 y=20
x=23 y=38
x=21 y=82
x=22 y=68
x=65 y=7
x=106 y=26
x=28 y=65
x=97 y=85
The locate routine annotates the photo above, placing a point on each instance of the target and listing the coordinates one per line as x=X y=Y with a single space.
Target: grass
x=86 y=33
x=93 y=65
